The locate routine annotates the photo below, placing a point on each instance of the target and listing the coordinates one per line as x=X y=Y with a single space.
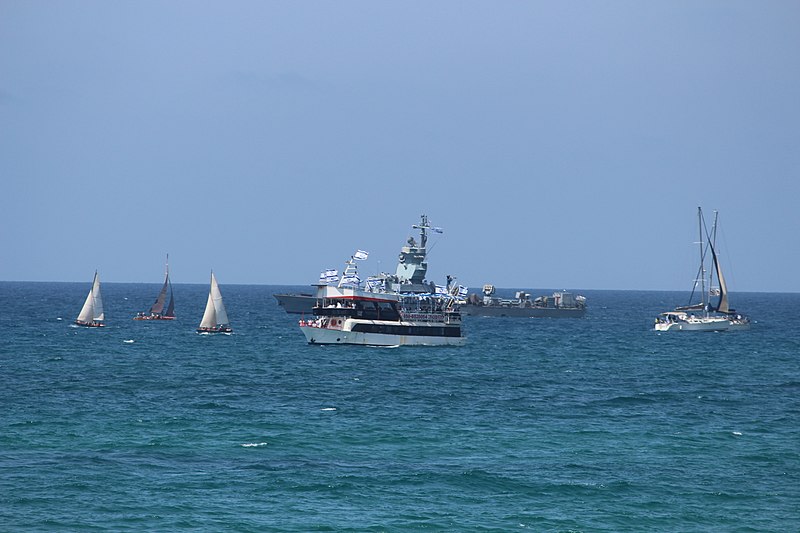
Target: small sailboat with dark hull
x=92 y=314
x=215 y=317
x=157 y=311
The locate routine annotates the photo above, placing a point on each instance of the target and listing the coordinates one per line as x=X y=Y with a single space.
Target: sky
x=560 y=144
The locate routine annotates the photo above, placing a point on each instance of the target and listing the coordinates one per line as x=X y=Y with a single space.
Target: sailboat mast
x=702 y=266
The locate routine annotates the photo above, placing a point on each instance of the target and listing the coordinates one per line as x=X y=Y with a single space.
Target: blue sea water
x=594 y=424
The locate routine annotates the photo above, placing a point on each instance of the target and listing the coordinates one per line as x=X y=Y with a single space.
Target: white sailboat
x=157 y=311
x=704 y=316
x=215 y=318
x=92 y=315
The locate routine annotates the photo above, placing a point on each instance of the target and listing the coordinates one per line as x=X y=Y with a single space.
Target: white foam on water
x=253 y=444
x=328 y=409
x=737 y=433
x=129 y=341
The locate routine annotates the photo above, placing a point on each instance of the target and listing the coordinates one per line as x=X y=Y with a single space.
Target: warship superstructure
x=409 y=276
x=388 y=309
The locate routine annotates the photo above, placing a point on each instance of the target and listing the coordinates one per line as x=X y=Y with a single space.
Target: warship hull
x=561 y=304
x=298 y=304
x=523 y=312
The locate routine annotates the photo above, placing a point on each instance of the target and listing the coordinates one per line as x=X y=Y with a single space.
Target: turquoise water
x=595 y=424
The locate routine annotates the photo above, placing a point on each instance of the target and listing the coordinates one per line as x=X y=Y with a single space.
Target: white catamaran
x=157 y=311
x=92 y=315
x=215 y=318
x=705 y=316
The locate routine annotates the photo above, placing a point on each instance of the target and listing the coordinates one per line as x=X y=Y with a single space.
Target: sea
x=554 y=425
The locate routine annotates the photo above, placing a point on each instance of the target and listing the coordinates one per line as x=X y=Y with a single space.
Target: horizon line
x=314 y=284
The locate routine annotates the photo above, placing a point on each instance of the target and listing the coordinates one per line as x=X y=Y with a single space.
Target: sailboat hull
x=154 y=317
x=695 y=324
x=218 y=329
x=90 y=324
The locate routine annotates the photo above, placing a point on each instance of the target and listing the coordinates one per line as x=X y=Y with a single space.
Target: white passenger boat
x=354 y=316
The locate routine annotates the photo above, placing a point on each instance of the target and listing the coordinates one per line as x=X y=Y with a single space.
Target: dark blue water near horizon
x=594 y=424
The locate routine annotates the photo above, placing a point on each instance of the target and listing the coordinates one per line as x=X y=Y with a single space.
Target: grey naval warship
x=561 y=304
x=296 y=303
x=409 y=277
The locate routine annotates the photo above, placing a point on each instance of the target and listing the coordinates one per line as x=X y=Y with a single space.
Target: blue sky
x=559 y=144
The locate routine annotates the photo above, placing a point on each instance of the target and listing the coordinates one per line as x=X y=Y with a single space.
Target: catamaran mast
x=702 y=265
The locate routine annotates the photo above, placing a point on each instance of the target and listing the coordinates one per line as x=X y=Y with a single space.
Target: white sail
x=92 y=309
x=97 y=300
x=210 y=316
x=87 y=312
x=219 y=307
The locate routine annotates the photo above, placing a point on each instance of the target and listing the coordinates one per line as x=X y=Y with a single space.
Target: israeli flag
x=462 y=291
x=375 y=284
x=351 y=279
x=329 y=276
x=360 y=255
x=440 y=289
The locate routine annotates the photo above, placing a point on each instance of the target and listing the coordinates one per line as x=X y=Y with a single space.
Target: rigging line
x=429 y=249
